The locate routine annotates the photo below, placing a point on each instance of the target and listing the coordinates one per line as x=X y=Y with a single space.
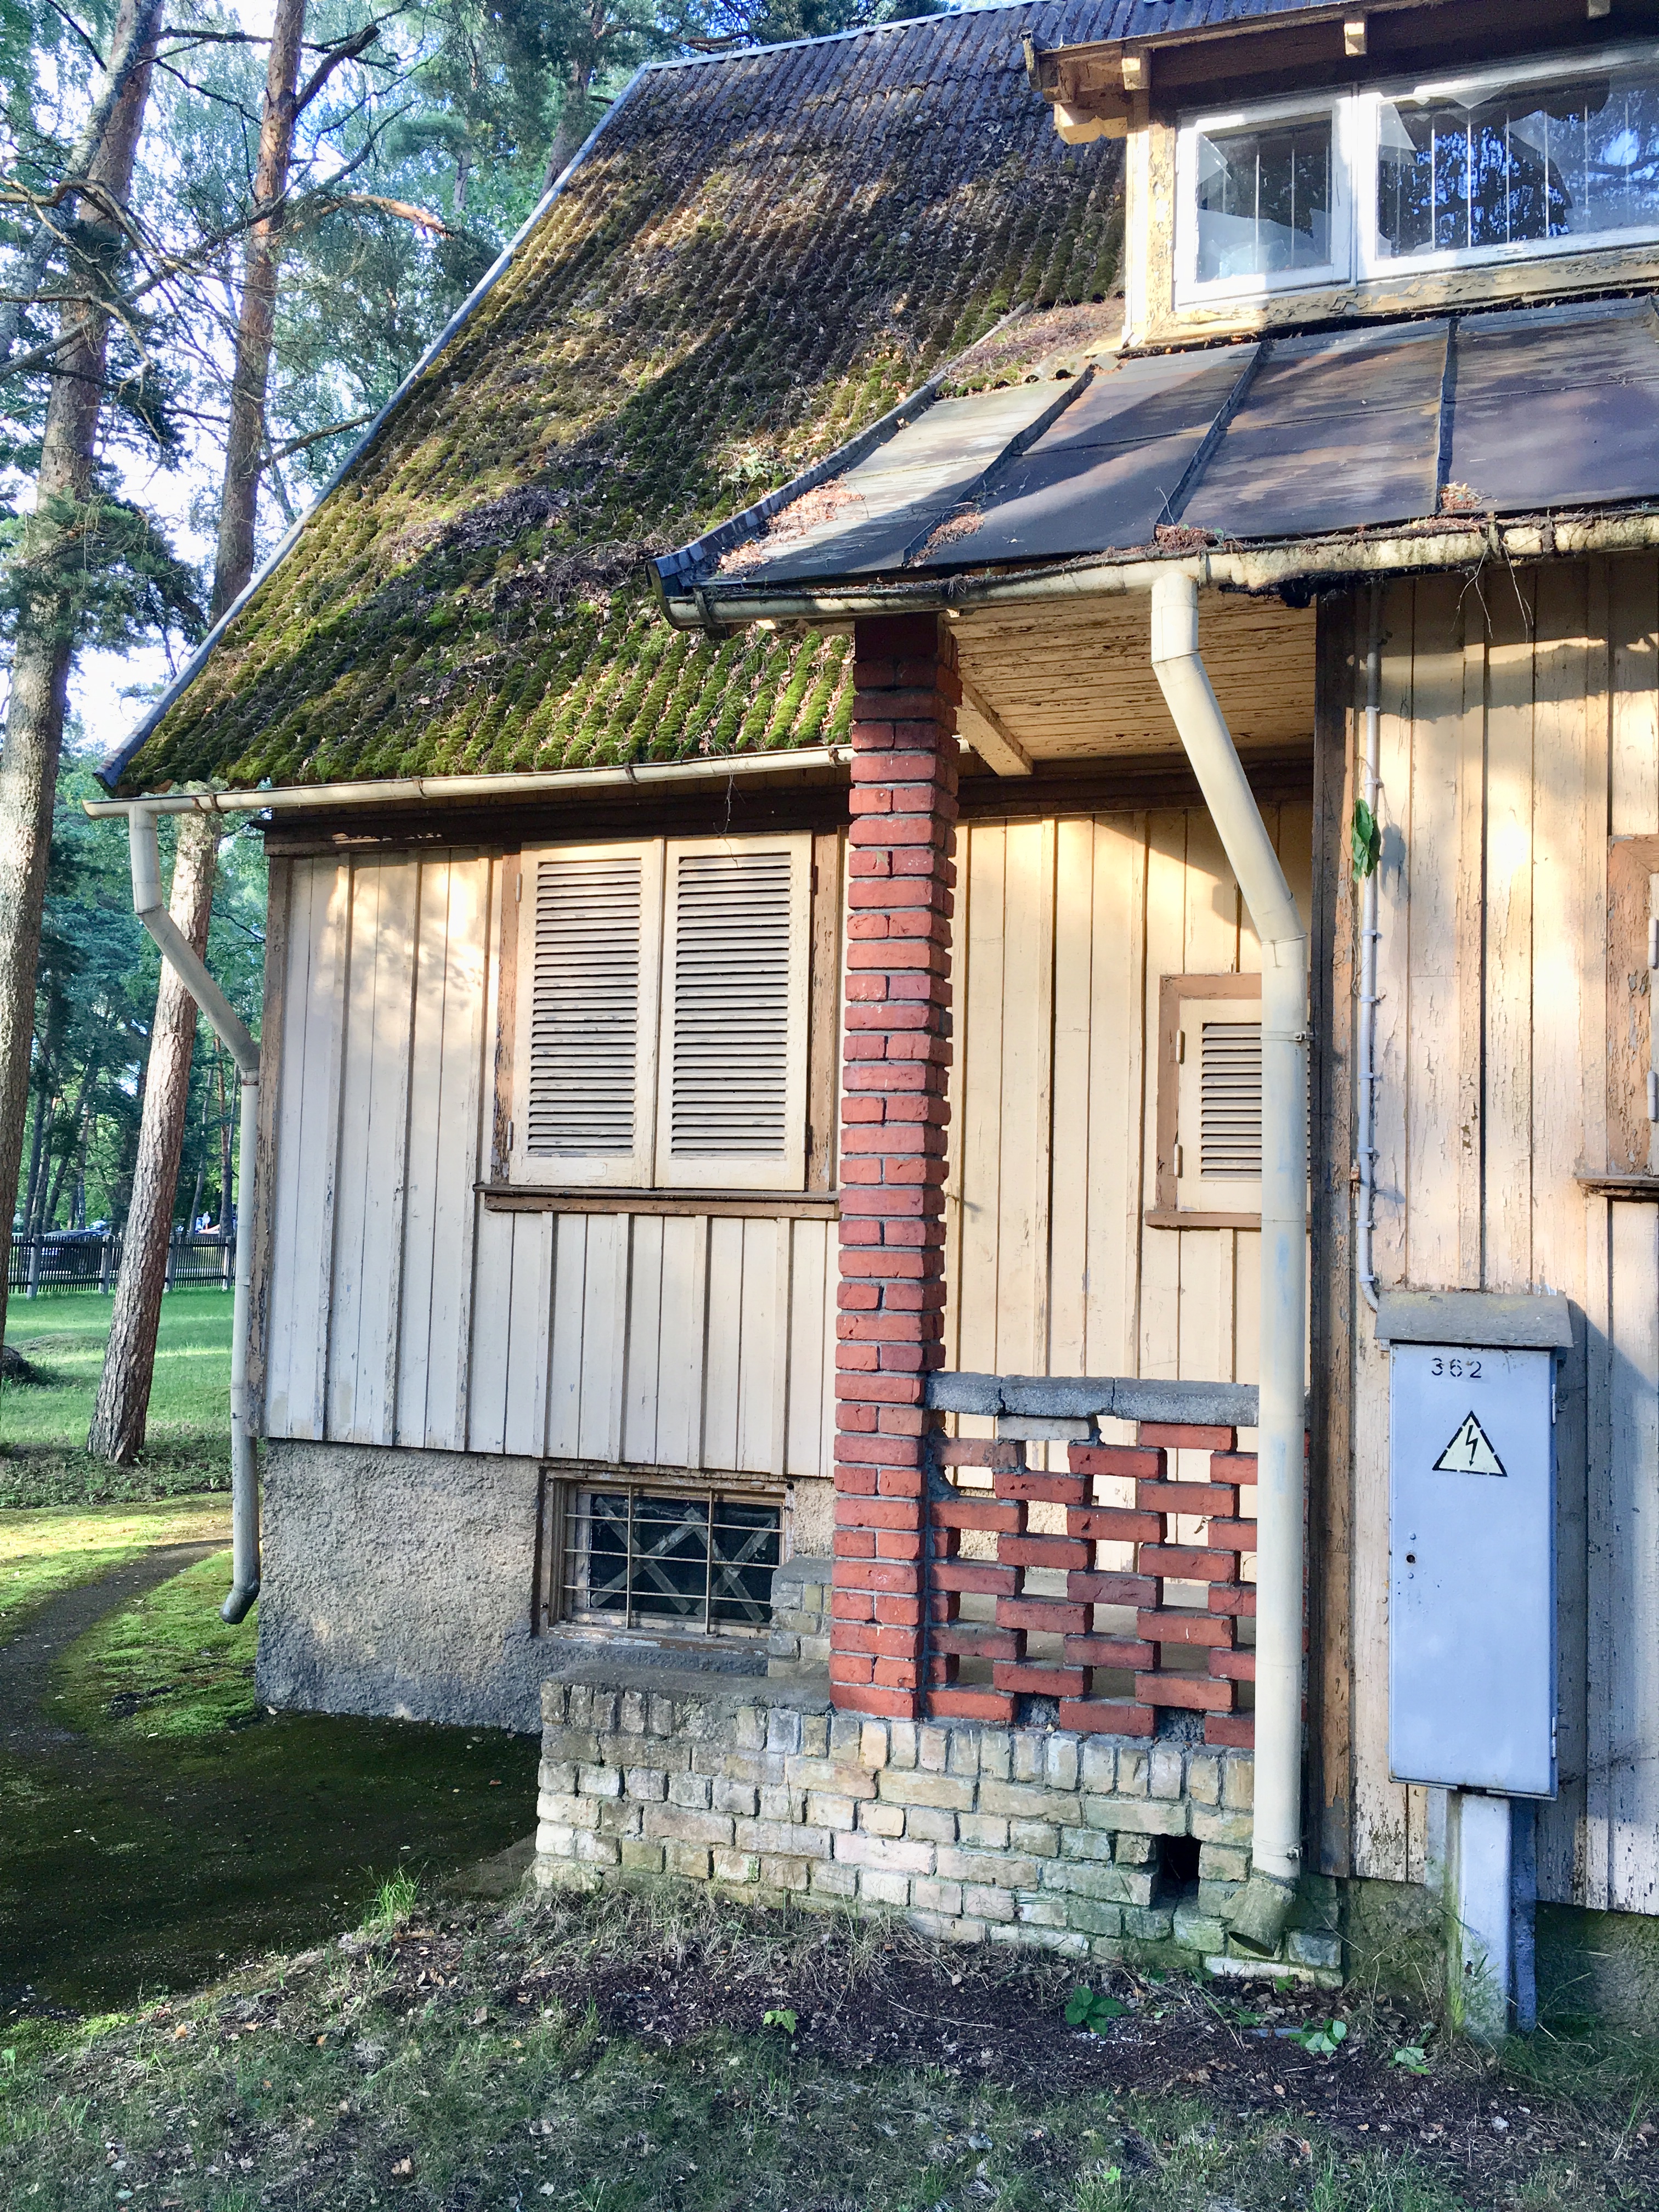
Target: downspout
x=1370 y=935
x=181 y=957
x=1260 y=1914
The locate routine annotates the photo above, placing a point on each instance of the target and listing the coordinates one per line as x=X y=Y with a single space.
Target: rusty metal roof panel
x=868 y=518
x=1556 y=407
x=1516 y=411
x=1337 y=432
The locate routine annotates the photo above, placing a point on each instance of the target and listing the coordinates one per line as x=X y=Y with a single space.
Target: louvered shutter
x=731 y=1103
x=1217 y=1156
x=1229 y=1102
x=587 y=984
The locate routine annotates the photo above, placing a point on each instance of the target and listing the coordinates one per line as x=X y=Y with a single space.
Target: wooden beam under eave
x=990 y=735
x=1079 y=126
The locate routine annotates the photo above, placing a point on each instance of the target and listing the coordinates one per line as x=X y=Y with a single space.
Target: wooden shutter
x=587 y=981
x=1229 y=1099
x=731 y=1103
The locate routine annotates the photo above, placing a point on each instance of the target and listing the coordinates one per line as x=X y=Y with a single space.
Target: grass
x=45 y=1550
x=456 y=2060
x=44 y=1426
x=165 y=1665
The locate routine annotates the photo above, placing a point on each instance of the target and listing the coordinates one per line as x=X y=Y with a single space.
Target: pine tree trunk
x=123 y=1408
x=119 y=1417
x=256 y=320
x=40 y=661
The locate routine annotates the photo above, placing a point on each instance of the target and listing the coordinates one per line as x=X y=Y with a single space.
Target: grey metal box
x=1472 y=1568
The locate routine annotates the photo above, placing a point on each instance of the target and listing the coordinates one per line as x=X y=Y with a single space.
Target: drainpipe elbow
x=239 y=1603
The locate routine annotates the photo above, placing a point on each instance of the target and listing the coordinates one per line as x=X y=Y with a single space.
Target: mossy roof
x=757 y=258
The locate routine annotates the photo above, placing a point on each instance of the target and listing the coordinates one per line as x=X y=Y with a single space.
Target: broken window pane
x=1264 y=200
x=642 y=1558
x=1519 y=167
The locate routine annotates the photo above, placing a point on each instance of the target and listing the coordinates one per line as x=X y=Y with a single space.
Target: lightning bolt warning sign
x=1469 y=1452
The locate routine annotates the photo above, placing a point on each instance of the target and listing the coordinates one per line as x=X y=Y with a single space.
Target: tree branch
x=348 y=51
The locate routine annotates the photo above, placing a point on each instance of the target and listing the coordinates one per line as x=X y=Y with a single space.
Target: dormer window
x=1544 y=157
x=1473 y=169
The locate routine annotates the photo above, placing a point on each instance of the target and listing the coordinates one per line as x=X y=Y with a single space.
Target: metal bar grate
x=692 y=1561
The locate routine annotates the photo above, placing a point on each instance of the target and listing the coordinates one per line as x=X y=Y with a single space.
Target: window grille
x=696 y=1561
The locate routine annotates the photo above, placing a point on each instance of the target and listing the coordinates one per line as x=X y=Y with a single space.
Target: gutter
x=1313 y=564
x=450 y=790
x=229 y=1027
x=1260 y=1915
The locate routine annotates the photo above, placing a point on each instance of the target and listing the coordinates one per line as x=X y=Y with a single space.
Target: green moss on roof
x=757 y=258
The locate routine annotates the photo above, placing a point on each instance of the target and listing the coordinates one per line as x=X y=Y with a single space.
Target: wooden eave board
x=1071 y=680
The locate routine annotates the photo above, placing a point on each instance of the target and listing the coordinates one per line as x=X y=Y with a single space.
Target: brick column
x=890 y=1325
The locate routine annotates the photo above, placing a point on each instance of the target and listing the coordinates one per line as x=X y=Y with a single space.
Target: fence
x=90 y=1260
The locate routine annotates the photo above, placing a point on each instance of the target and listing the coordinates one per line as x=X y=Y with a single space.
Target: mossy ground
x=44 y=1426
x=164 y=1666
x=613 y=2054
x=55 y=1548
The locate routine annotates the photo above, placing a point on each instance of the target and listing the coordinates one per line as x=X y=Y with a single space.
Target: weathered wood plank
x=1624 y=1643
x=1380 y=1810
x=1510 y=674
x=257 y=1178
x=1332 y=1316
x=1568 y=969
x=1165 y=954
x=459 y=1142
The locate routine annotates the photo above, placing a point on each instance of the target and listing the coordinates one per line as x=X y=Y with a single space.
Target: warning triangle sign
x=1469 y=1452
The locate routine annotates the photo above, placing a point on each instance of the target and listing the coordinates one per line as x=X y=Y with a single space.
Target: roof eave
x=1300 y=565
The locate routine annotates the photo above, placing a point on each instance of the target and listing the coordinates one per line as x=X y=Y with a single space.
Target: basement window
x=683 y=1561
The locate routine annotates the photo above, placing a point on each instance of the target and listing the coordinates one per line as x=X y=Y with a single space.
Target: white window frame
x=1558 y=71
x=1336 y=108
x=720 y=1170
x=1354 y=178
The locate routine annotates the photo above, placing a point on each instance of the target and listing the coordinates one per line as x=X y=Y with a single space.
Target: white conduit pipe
x=181 y=957
x=1369 y=936
x=1276 y=1854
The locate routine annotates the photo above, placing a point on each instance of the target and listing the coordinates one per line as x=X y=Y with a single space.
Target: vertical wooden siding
x=1518 y=734
x=402 y=1311
x=1064 y=930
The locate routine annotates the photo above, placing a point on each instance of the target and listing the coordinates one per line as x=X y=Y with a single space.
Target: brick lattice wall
x=895 y=1062
x=1115 y=1496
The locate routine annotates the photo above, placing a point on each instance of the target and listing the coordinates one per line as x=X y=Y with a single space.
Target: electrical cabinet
x=1472 y=1635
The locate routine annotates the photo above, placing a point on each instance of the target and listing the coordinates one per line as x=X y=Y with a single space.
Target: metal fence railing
x=90 y=1260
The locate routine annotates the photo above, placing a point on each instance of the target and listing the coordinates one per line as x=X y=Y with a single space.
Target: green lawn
x=666 y=2053
x=43 y=1426
x=165 y=1665
x=52 y=1548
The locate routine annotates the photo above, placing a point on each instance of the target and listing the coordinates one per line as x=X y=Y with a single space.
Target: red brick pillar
x=889 y=1326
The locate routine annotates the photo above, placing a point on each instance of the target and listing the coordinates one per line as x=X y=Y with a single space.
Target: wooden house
x=793 y=1210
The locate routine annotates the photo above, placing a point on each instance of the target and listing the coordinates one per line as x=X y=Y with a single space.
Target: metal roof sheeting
x=1519 y=411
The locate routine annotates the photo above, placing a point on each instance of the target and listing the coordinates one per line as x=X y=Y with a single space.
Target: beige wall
x=1064 y=930
x=1519 y=732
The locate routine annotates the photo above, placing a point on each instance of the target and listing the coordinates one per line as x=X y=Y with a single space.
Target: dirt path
x=27 y=1727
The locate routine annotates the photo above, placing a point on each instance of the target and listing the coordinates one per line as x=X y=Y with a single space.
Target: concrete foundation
x=1022 y=1835
x=403 y=1583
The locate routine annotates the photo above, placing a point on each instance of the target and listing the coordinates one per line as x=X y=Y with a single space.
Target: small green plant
x=780 y=2017
x=1101 y=2189
x=1321 y=2039
x=1085 y=2009
x=1413 y=2057
x=1366 y=841
x=393 y=1903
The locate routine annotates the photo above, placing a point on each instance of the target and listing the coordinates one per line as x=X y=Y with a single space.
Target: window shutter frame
x=576 y=1169
x=718 y=1170
x=1196 y=1192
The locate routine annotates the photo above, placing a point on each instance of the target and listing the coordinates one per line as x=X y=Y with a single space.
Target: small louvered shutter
x=587 y=990
x=1217 y=1071
x=731 y=1106
x=1229 y=1102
